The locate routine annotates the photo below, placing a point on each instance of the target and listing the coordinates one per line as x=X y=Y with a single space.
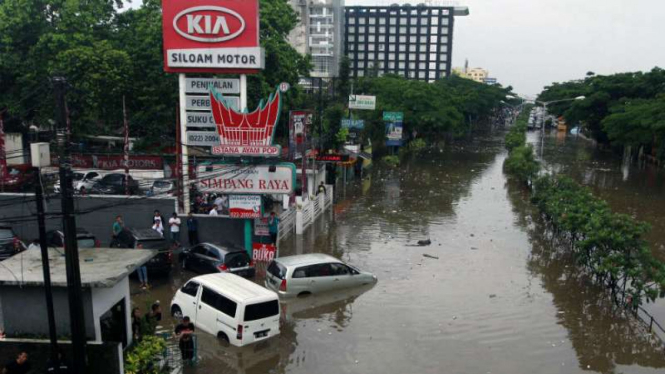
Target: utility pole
x=320 y=114
x=39 y=195
x=3 y=156
x=126 y=145
x=76 y=314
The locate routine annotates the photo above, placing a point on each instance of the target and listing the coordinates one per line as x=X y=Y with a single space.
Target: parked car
x=19 y=178
x=312 y=273
x=89 y=179
x=76 y=177
x=9 y=243
x=114 y=184
x=162 y=187
x=232 y=308
x=207 y=258
x=148 y=239
x=84 y=239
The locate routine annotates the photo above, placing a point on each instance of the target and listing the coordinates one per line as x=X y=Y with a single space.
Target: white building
x=319 y=34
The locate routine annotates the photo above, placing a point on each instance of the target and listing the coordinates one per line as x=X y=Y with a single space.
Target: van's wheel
x=176 y=312
x=223 y=337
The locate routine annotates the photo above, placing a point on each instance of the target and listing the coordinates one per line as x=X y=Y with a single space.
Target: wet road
x=499 y=298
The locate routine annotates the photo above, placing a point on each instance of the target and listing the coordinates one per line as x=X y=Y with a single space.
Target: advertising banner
x=393 y=128
x=362 y=102
x=353 y=124
x=244 y=206
x=202 y=138
x=211 y=35
x=261 y=227
x=263 y=252
x=332 y=158
x=114 y=162
x=202 y=85
x=299 y=122
x=252 y=179
x=201 y=102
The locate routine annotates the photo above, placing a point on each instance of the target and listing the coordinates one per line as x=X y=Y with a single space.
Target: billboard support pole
x=183 y=144
x=243 y=92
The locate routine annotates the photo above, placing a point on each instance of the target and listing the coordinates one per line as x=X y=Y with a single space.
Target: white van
x=230 y=307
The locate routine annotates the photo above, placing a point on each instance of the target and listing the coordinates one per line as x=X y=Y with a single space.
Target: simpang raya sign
x=209 y=35
x=253 y=179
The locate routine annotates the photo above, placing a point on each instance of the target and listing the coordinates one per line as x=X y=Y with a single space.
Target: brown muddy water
x=498 y=298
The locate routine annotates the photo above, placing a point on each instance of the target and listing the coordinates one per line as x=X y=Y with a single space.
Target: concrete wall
x=102 y=358
x=24 y=311
x=105 y=298
x=19 y=210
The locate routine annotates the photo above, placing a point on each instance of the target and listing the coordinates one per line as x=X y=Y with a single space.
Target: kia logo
x=209 y=24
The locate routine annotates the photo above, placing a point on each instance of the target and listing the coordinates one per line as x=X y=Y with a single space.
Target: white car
x=230 y=307
x=88 y=180
x=311 y=274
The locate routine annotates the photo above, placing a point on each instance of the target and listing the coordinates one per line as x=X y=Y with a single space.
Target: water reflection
x=601 y=334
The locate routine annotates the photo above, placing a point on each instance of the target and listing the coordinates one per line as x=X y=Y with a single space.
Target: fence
x=309 y=210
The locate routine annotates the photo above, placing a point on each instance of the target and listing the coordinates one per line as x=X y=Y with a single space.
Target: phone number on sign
x=244 y=215
x=203 y=138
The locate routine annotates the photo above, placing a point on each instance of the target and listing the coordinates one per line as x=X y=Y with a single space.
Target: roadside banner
x=263 y=252
x=261 y=227
x=393 y=122
x=245 y=206
x=353 y=124
x=362 y=102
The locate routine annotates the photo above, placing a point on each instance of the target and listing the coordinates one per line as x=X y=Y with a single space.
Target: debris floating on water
x=430 y=256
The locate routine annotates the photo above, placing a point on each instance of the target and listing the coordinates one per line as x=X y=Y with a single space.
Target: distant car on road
x=19 y=178
x=207 y=258
x=9 y=243
x=313 y=273
x=114 y=184
x=162 y=263
x=84 y=239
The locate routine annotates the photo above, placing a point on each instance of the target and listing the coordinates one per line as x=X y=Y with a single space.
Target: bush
x=392 y=161
x=414 y=148
x=515 y=139
x=522 y=164
x=142 y=357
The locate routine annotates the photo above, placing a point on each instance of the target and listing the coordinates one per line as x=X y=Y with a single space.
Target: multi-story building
x=413 y=41
x=479 y=75
x=319 y=34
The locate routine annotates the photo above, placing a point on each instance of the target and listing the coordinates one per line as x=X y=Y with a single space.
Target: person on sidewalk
x=213 y=211
x=192 y=229
x=174 y=224
x=142 y=272
x=273 y=227
x=117 y=228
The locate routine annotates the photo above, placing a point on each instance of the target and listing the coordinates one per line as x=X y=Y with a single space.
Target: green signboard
x=393 y=116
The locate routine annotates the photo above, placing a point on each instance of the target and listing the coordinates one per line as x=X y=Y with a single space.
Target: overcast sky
x=531 y=43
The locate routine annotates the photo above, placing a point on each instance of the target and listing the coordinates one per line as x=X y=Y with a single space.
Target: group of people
x=146 y=325
x=174 y=227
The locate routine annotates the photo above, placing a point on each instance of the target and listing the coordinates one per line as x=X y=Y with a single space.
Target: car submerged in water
x=312 y=274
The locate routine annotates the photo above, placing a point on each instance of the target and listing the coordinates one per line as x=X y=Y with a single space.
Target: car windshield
x=236 y=259
x=258 y=311
x=6 y=234
x=86 y=243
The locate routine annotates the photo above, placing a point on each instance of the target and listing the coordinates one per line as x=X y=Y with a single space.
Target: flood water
x=493 y=295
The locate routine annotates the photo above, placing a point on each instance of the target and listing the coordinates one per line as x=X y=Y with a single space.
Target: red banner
x=263 y=252
x=114 y=162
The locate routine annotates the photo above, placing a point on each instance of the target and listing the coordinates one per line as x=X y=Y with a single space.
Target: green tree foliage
x=522 y=163
x=142 y=358
x=624 y=109
x=445 y=109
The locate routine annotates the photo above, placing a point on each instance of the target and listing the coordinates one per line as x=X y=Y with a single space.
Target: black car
x=148 y=239
x=114 y=184
x=207 y=258
x=9 y=243
x=85 y=239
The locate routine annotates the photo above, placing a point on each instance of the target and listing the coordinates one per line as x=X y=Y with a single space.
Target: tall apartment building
x=412 y=41
x=319 y=34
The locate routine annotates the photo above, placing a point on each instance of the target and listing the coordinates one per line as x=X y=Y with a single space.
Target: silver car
x=313 y=273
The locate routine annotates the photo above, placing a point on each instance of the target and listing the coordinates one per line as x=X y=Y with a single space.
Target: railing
x=287 y=222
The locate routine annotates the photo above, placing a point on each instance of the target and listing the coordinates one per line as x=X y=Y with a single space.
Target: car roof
x=308 y=259
x=224 y=248
x=142 y=234
x=236 y=288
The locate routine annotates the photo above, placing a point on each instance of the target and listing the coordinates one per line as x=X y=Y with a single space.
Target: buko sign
x=204 y=35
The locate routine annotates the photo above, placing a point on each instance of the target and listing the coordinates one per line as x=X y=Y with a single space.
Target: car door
x=341 y=276
x=90 y=179
x=317 y=277
x=208 y=313
x=194 y=257
x=189 y=299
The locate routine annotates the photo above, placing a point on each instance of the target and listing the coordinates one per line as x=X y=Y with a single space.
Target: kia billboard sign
x=211 y=35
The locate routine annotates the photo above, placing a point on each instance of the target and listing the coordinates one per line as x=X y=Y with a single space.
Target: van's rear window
x=276 y=269
x=258 y=311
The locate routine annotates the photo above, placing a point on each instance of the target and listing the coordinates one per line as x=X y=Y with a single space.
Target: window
x=276 y=269
x=382 y=29
x=402 y=48
x=432 y=56
x=318 y=270
x=382 y=47
x=434 y=30
x=362 y=21
x=392 y=39
x=423 y=56
x=361 y=64
x=432 y=65
x=401 y=64
x=371 y=29
x=413 y=39
x=402 y=29
x=412 y=65
x=444 y=40
x=421 y=75
x=361 y=73
x=382 y=38
x=432 y=75
x=372 y=21
x=402 y=56
x=382 y=21
x=352 y=20
x=391 y=47
x=381 y=56
x=258 y=311
x=352 y=38
x=444 y=31
x=361 y=38
x=352 y=29
x=423 y=39
x=371 y=38
x=393 y=30
x=370 y=56
x=340 y=269
x=423 y=30
x=391 y=65
x=413 y=30
x=435 y=20
x=393 y=21
x=421 y=66
x=444 y=21
x=191 y=288
x=361 y=29
x=402 y=39
x=391 y=56
x=442 y=66
x=219 y=302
